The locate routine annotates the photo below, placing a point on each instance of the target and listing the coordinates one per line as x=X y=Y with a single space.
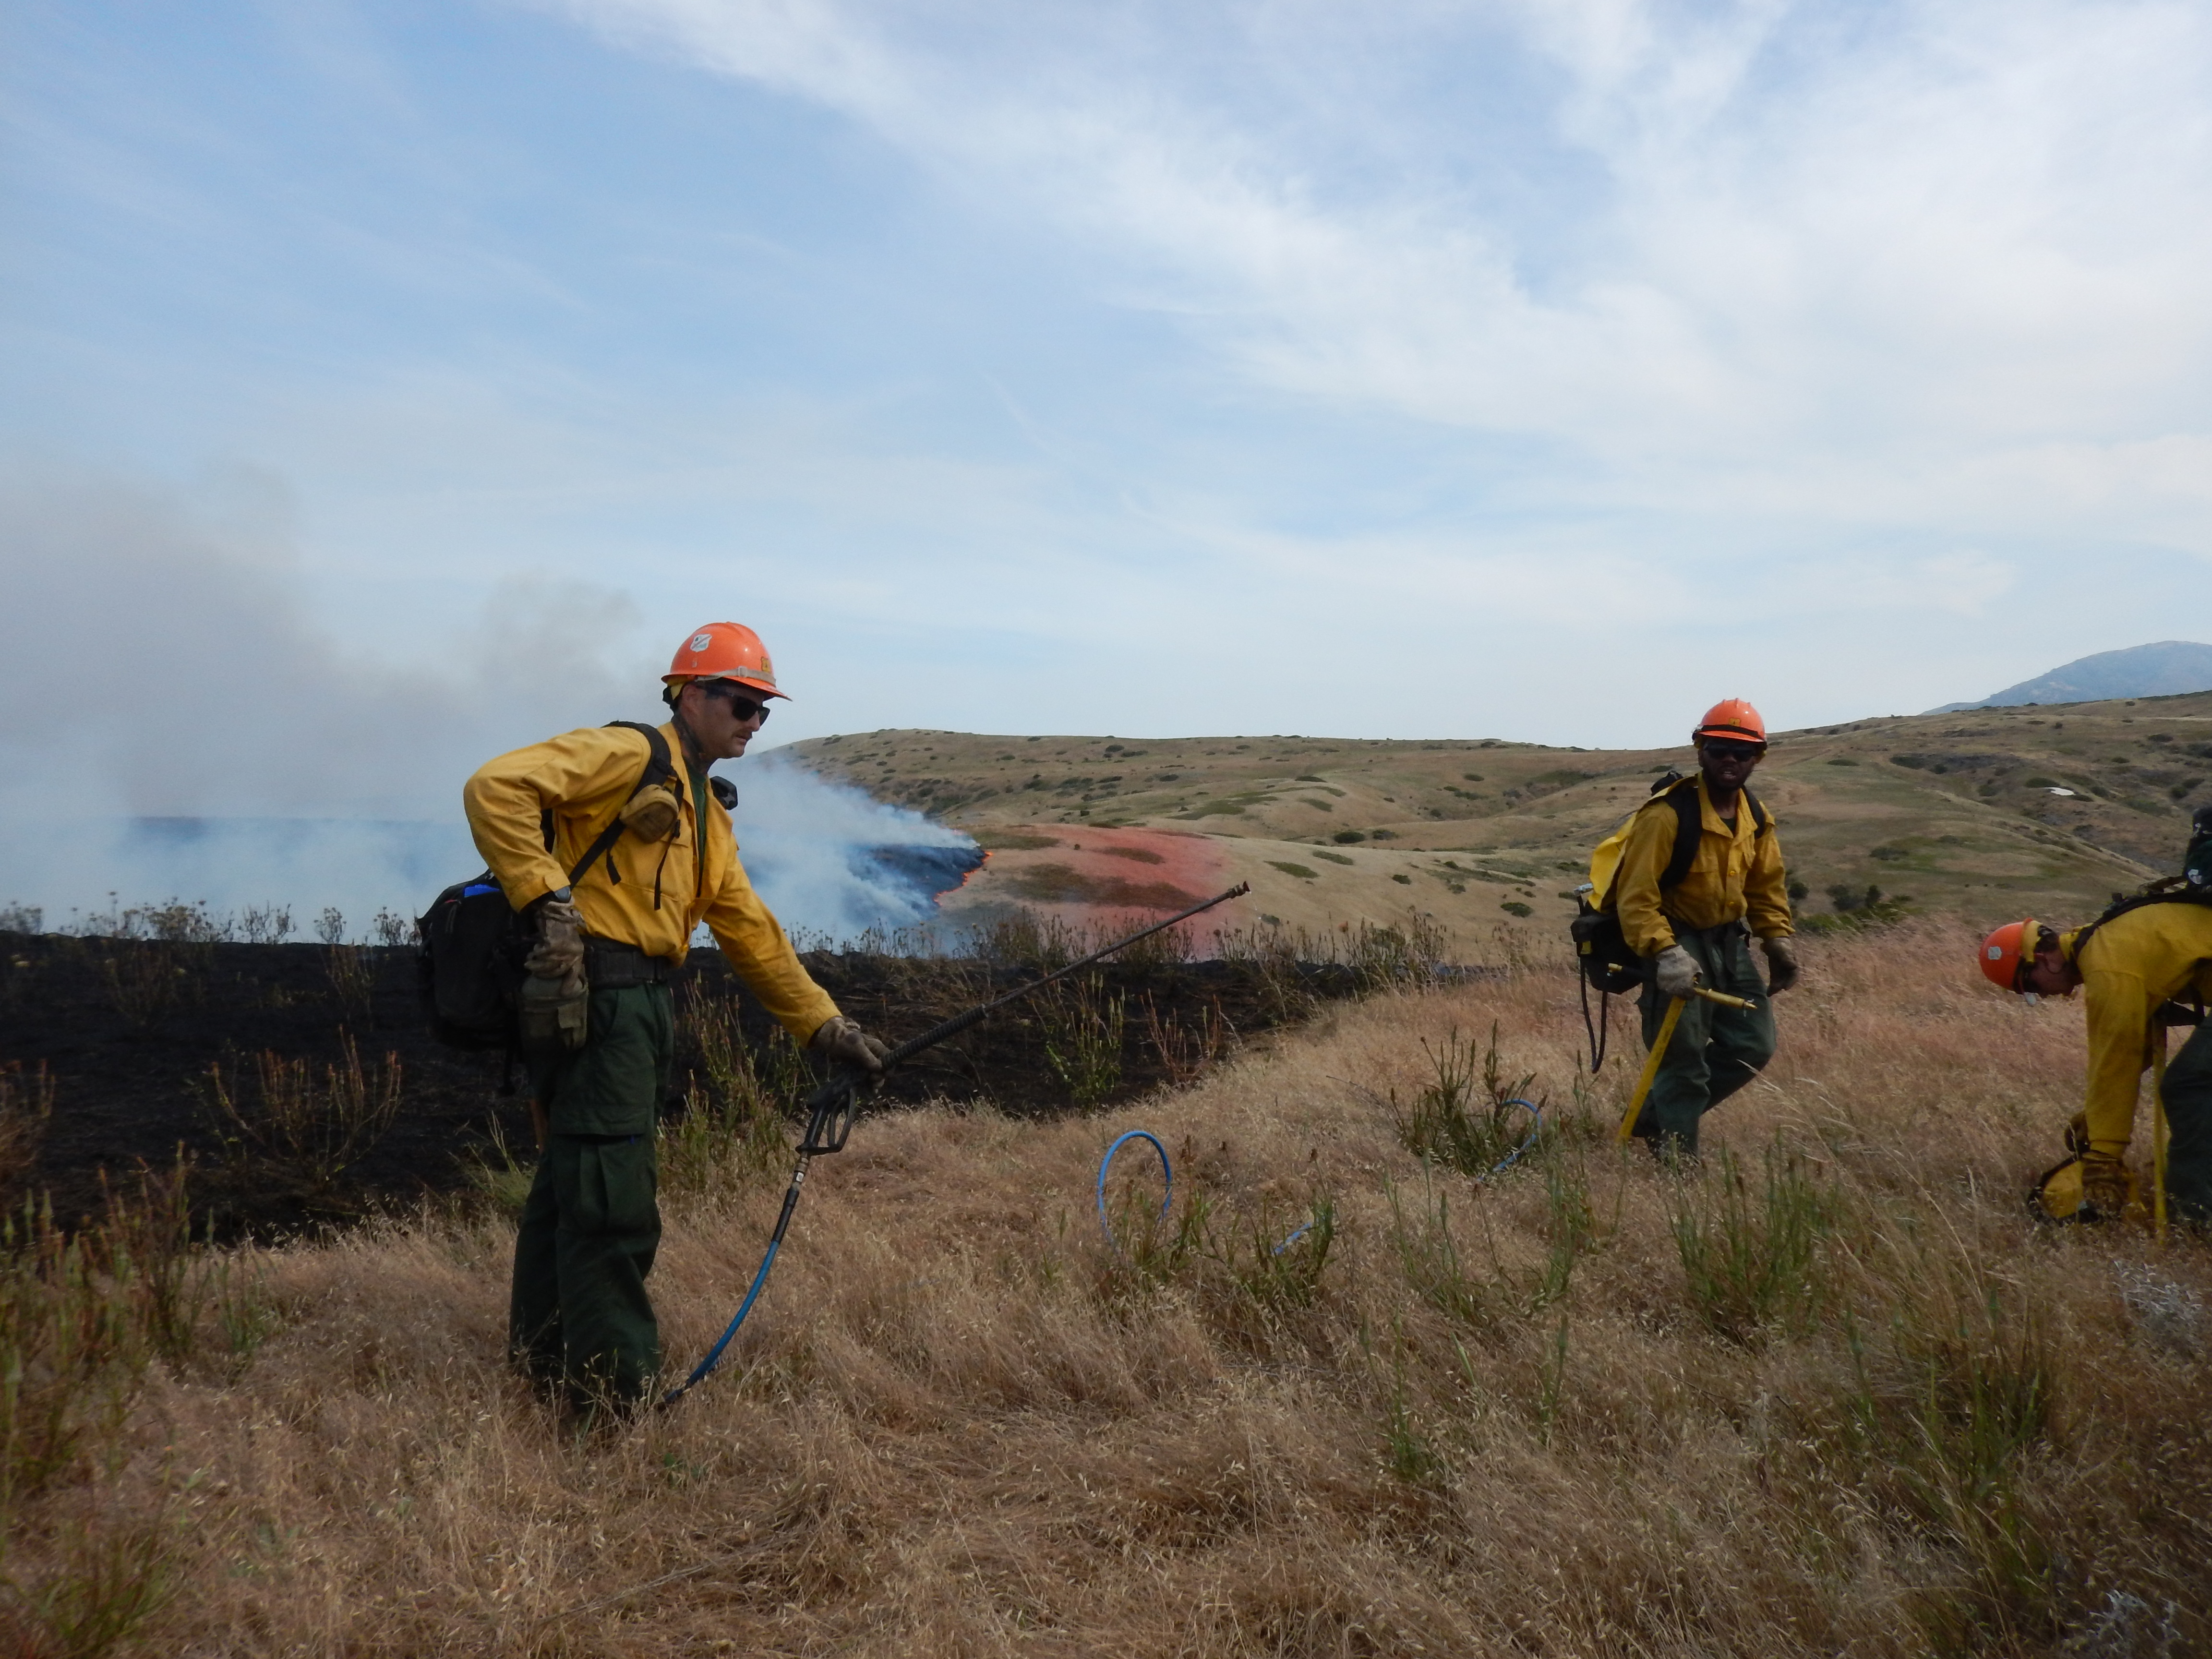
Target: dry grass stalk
x=1498 y=1418
x=315 y=1129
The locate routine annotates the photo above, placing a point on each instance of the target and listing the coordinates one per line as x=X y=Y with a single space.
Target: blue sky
x=1545 y=370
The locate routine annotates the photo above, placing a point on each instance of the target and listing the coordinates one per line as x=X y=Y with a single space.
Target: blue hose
x=1167 y=1178
x=1534 y=1111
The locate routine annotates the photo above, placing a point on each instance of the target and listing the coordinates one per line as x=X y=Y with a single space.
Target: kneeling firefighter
x=626 y=812
x=2137 y=962
x=1700 y=872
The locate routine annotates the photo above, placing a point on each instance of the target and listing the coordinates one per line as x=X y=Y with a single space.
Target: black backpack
x=471 y=943
x=1601 y=949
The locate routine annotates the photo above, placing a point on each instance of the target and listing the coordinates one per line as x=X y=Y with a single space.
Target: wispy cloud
x=1778 y=233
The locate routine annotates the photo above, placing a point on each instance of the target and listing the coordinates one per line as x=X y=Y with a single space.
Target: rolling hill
x=1980 y=815
x=2169 y=668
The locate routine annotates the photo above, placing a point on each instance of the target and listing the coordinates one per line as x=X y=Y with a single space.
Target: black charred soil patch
x=301 y=1084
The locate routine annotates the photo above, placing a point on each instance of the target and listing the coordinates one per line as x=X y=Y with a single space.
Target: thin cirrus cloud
x=1777 y=229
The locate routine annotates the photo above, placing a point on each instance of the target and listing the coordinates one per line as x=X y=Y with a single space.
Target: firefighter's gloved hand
x=554 y=1013
x=2104 y=1184
x=1781 y=964
x=842 y=1042
x=1674 y=971
x=559 y=951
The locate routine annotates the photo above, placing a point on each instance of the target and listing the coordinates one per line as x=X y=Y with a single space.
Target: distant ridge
x=2165 y=670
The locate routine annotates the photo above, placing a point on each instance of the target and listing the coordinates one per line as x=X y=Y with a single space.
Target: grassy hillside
x=1954 y=811
x=1837 y=1396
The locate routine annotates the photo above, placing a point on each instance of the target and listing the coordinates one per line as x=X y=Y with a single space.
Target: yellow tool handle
x=1723 y=999
x=1650 y=1070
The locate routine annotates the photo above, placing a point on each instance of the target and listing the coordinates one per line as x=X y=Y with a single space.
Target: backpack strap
x=2167 y=890
x=659 y=767
x=1688 y=826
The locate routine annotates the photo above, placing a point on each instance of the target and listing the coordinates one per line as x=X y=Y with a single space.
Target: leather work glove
x=559 y=947
x=555 y=1014
x=555 y=1008
x=1674 y=971
x=2104 y=1185
x=1781 y=964
x=842 y=1042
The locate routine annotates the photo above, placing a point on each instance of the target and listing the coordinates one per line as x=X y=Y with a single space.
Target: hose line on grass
x=1527 y=1141
x=1167 y=1177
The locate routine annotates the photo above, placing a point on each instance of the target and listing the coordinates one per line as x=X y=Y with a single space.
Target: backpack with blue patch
x=471 y=943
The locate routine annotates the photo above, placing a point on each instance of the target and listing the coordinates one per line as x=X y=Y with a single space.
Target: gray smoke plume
x=179 y=726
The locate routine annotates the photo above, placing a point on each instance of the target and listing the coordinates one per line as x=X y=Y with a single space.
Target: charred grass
x=1831 y=1393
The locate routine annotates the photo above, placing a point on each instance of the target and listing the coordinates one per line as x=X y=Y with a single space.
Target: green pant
x=1715 y=1051
x=579 y=1316
x=2188 y=1097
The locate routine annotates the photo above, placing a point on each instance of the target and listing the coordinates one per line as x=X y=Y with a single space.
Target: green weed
x=1463 y=1118
x=1082 y=1033
x=1430 y=1258
x=113 y=1576
x=1753 y=1260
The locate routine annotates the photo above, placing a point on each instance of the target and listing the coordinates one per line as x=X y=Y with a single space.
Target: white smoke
x=179 y=726
x=825 y=855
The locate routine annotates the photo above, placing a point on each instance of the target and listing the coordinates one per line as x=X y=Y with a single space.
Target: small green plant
x=1570 y=1228
x=1942 y=1424
x=1464 y=1117
x=1515 y=908
x=1274 y=1262
x=1083 y=1038
x=1429 y=1256
x=1407 y=1453
x=733 y=1122
x=1552 y=1384
x=1752 y=1259
x=1303 y=871
x=116 y=1573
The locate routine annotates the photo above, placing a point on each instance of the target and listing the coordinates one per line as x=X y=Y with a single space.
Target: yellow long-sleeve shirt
x=1737 y=871
x=583 y=778
x=2129 y=966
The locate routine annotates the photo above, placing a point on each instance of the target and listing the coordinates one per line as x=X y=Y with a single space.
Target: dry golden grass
x=1490 y=1419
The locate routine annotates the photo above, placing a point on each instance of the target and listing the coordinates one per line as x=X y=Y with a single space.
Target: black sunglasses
x=743 y=708
x=1723 y=749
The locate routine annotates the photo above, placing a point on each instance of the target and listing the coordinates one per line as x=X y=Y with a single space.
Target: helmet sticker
x=700 y=642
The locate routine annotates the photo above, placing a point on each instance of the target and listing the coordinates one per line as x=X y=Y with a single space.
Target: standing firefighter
x=2136 y=962
x=1700 y=872
x=597 y=1029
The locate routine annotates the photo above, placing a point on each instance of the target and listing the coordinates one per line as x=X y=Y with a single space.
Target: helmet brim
x=678 y=681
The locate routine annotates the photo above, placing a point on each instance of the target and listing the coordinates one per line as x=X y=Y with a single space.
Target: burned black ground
x=129 y=1036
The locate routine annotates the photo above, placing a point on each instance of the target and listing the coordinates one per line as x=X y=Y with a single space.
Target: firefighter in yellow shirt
x=1693 y=926
x=598 y=1027
x=2136 y=965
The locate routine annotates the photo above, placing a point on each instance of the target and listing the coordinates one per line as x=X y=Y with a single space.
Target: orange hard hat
x=1732 y=718
x=723 y=651
x=2002 y=952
